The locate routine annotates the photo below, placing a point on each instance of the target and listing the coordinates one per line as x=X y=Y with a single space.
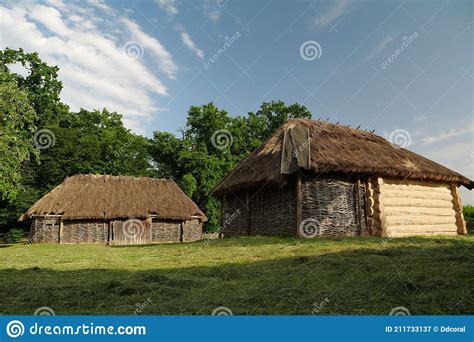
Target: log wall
x=408 y=207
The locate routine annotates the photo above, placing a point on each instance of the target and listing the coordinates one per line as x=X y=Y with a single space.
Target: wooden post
x=221 y=226
x=247 y=207
x=366 y=207
x=457 y=206
x=359 y=207
x=299 y=197
x=181 y=232
x=380 y=221
x=61 y=226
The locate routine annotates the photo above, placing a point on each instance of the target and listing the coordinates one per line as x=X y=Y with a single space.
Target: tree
x=92 y=142
x=17 y=125
x=41 y=83
x=212 y=145
x=270 y=116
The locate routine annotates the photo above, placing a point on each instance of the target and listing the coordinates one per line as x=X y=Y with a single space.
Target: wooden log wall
x=408 y=207
x=457 y=205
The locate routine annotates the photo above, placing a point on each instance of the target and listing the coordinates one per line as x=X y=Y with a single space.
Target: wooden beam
x=366 y=216
x=359 y=207
x=457 y=205
x=61 y=227
x=247 y=207
x=221 y=219
x=299 y=199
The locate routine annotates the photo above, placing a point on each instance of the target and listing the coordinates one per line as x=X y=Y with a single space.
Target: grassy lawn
x=250 y=275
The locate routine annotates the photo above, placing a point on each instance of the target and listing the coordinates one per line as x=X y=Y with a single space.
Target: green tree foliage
x=96 y=141
x=17 y=125
x=201 y=155
x=84 y=142
x=41 y=83
x=92 y=142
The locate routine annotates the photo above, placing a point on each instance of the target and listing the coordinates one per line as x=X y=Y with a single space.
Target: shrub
x=15 y=235
x=468 y=211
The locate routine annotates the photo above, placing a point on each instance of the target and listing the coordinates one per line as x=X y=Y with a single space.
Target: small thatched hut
x=317 y=178
x=116 y=210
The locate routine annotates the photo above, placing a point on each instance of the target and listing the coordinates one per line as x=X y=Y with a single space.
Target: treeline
x=42 y=141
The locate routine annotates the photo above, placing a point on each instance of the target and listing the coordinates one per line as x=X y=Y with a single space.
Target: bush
x=468 y=211
x=15 y=235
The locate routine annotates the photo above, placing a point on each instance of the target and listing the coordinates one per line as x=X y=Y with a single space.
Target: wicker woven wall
x=192 y=230
x=44 y=229
x=332 y=204
x=273 y=211
x=235 y=220
x=97 y=231
x=85 y=231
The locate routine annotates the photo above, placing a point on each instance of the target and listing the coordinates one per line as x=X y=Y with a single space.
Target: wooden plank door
x=132 y=232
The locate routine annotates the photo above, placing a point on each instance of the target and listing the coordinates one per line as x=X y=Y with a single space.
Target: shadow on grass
x=430 y=281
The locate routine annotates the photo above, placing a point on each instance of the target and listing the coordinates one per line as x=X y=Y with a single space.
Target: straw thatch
x=115 y=197
x=335 y=149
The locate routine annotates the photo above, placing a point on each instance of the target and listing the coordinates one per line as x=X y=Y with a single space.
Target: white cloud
x=189 y=43
x=446 y=135
x=94 y=69
x=169 y=6
x=379 y=47
x=213 y=9
x=165 y=59
x=338 y=8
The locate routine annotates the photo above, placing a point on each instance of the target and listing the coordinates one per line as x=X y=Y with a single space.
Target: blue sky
x=151 y=60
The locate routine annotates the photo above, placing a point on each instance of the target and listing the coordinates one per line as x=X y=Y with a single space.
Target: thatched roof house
x=115 y=210
x=330 y=179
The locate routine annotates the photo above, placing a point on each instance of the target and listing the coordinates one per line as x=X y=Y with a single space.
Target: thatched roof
x=336 y=149
x=114 y=197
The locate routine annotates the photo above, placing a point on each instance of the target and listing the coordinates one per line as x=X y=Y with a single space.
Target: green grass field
x=250 y=275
